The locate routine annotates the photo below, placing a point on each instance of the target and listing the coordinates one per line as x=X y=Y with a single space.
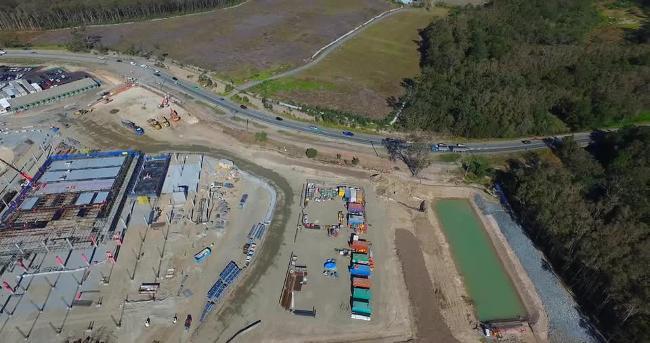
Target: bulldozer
x=154 y=124
x=165 y=122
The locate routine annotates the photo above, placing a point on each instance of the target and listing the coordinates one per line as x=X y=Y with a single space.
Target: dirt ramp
x=429 y=323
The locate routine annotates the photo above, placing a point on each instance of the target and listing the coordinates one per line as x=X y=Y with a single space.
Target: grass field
x=250 y=41
x=362 y=73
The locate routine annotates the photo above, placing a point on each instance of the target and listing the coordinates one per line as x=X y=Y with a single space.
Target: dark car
x=525 y=141
x=157 y=74
x=174 y=78
x=348 y=134
x=118 y=60
x=243 y=107
x=279 y=118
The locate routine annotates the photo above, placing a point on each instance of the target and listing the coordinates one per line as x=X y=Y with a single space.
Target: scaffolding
x=68 y=218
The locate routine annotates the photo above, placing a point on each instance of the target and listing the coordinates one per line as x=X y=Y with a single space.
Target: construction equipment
x=174 y=115
x=154 y=124
x=22 y=173
x=132 y=126
x=165 y=122
x=165 y=101
x=81 y=112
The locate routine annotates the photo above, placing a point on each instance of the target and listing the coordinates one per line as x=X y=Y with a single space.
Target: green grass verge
x=272 y=87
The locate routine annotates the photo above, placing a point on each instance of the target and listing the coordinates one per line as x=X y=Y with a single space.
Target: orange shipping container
x=361 y=282
x=358 y=246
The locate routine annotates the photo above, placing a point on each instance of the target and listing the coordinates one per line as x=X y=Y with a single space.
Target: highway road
x=167 y=81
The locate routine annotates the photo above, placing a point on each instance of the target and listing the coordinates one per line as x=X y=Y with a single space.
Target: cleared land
x=365 y=71
x=240 y=43
x=428 y=320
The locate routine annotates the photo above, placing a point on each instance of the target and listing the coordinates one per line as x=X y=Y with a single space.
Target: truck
x=459 y=148
x=440 y=147
x=165 y=122
x=132 y=126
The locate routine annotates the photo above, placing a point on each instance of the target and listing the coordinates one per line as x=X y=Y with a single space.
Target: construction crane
x=22 y=173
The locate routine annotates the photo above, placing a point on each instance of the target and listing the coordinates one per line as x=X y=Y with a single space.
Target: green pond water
x=488 y=284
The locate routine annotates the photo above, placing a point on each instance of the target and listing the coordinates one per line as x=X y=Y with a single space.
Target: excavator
x=174 y=115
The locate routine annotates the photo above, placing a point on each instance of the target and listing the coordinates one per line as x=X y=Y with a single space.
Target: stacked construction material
x=226 y=277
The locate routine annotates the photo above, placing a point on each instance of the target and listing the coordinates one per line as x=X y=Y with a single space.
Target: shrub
x=261 y=136
x=311 y=152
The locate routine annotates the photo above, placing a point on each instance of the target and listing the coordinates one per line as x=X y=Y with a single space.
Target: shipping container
x=362 y=308
x=361 y=294
x=359 y=246
x=357 y=270
x=353 y=195
x=358 y=282
x=360 y=258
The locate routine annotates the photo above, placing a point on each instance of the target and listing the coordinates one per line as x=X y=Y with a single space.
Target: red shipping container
x=361 y=282
x=359 y=246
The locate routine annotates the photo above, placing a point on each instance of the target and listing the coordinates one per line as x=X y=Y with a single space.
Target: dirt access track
x=239 y=42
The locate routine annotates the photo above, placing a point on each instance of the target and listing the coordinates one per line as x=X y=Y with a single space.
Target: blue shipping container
x=360 y=270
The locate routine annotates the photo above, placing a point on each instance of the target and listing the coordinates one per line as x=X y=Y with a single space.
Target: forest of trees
x=23 y=15
x=589 y=211
x=526 y=67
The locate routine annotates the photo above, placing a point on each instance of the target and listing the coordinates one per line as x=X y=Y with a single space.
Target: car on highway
x=2 y=52
x=243 y=107
x=118 y=60
x=314 y=128
x=279 y=118
x=526 y=141
x=347 y=133
x=132 y=63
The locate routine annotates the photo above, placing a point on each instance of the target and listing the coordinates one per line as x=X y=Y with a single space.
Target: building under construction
x=73 y=200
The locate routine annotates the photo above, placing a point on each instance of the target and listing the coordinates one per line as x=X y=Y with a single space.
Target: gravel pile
x=566 y=324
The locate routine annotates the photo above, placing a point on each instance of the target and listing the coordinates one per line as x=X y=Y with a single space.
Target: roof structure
x=53 y=93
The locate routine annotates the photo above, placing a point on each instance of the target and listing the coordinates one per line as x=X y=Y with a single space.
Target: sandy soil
x=428 y=320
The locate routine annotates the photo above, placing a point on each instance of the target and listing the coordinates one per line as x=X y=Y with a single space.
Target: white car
x=2 y=52
x=132 y=63
x=143 y=66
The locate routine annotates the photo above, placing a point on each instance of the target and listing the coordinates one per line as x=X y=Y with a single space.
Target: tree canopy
x=50 y=14
x=525 y=67
x=590 y=213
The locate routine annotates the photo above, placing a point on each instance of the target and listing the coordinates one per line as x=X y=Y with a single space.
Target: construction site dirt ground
x=257 y=296
x=330 y=296
x=119 y=299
